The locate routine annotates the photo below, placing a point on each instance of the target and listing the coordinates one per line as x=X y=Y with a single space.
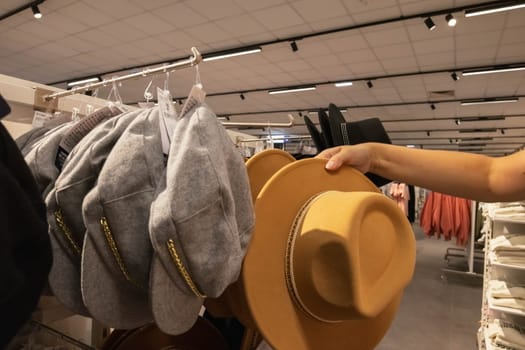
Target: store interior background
x=401 y=72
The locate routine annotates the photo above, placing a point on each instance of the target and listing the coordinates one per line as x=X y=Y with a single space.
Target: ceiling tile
x=397 y=65
x=246 y=22
x=64 y=24
x=328 y=24
x=293 y=66
x=216 y=9
x=149 y=23
x=435 y=45
x=16 y=40
x=386 y=37
x=80 y=12
x=386 y=53
x=278 y=17
x=116 y=8
x=509 y=53
x=356 y=6
x=376 y=15
x=316 y=11
x=251 y=5
x=476 y=40
x=123 y=31
x=181 y=40
x=180 y=15
x=357 y=56
x=348 y=43
x=40 y=30
x=208 y=33
x=99 y=37
x=480 y=24
x=513 y=36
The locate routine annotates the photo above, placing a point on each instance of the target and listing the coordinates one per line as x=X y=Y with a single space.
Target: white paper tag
x=40 y=118
x=196 y=96
x=167 y=109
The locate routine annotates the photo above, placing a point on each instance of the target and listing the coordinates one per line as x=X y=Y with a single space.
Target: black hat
x=324 y=121
x=352 y=133
x=317 y=137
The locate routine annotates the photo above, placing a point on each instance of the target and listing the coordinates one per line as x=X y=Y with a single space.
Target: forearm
x=459 y=174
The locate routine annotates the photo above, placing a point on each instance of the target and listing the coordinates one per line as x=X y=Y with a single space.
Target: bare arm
x=460 y=174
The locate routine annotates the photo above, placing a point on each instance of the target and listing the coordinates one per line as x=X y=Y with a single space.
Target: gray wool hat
x=41 y=158
x=64 y=207
x=201 y=221
x=117 y=250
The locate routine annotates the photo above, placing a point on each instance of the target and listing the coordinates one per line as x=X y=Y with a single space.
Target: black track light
x=502 y=131
x=430 y=23
x=369 y=84
x=454 y=76
x=36 y=12
x=294 y=47
x=451 y=21
x=432 y=106
x=242 y=96
x=300 y=114
x=457 y=121
x=428 y=133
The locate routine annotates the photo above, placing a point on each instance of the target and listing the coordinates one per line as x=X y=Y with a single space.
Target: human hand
x=357 y=156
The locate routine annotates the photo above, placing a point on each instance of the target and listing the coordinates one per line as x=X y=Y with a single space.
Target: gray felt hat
x=117 y=250
x=201 y=221
x=64 y=207
x=41 y=158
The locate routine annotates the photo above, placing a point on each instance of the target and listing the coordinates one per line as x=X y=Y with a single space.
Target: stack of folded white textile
x=504 y=294
x=503 y=336
x=508 y=249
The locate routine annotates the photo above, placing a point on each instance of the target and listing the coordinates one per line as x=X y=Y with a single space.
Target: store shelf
x=507 y=219
x=507 y=310
x=508 y=266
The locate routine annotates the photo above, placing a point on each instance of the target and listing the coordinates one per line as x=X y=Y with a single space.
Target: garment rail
x=190 y=62
x=266 y=138
x=291 y=122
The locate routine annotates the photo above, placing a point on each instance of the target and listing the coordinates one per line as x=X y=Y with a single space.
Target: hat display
x=64 y=207
x=260 y=168
x=201 y=221
x=330 y=256
x=117 y=251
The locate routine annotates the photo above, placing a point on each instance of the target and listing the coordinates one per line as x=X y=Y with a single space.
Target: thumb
x=334 y=162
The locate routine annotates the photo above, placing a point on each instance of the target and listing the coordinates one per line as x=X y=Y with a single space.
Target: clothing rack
x=190 y=62
x=266 y=138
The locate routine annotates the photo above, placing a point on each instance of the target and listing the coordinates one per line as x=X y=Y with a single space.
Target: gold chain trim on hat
x=115 y=252
x=59 y=218
x=182 y=270
x=288 y=270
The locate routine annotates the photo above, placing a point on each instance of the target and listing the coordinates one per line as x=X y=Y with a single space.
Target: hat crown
x=352 y=254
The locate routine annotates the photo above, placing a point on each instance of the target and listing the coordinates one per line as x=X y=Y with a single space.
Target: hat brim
x=260 y=168
x=263 y=274
x=110 y=299
x=64 y=276
x=171 y=317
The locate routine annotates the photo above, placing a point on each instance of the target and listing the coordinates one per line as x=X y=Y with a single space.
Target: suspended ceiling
x=410 y=66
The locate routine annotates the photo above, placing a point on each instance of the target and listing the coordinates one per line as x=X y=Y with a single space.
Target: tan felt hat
x=328 y=260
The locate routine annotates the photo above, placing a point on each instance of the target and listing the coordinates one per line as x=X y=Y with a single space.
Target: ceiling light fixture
x=454 y=76
x=84 y=81
x=502 y=131
x=432 y=106
x=451 y=21
x=486 y=10
x=231 y=53
x=430 y=23
x=36 y=12
x=294 y=47
x=369 y=84
x=343 y=83
x=292 y=89
x=489 y=100
x=457 y=121
x=428 y=133
x=498 y=69
x=242 y=96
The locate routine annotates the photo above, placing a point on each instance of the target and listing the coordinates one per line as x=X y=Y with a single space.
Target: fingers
x=328 y=153
x=333 y=156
